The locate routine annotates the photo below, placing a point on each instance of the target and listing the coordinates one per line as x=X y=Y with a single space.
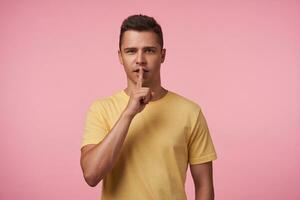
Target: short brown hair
x=141 y=23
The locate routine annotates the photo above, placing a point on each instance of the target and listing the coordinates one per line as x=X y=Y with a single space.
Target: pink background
x=240 y=61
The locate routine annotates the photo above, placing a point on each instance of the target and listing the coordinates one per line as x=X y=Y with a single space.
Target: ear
x=120 y=57
x=163 y=55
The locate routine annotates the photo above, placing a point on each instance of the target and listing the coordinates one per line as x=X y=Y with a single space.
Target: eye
x=131 y=51
x=150 y=51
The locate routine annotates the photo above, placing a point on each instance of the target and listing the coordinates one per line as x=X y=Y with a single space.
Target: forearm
x=99 y=160
x=204 y=193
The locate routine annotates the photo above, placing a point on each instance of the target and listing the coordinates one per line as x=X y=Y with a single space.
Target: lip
x=137 y=70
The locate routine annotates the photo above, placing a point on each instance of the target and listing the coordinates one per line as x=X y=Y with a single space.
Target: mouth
x=137 y=70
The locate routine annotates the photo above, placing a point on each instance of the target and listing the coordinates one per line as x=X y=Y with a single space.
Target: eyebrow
x=144 y=48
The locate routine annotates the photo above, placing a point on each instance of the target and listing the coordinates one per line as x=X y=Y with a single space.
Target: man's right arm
x=98 y=159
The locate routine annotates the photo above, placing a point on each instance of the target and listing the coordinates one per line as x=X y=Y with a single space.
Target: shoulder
x=185 y=102
x=99 y=104
x=189 y=110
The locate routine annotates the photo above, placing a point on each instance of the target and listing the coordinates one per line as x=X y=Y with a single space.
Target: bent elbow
x=91 y=180
x=91 y=183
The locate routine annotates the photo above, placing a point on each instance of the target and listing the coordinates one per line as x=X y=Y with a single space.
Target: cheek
x=128 y=63
x=127 y=70
x=155 y=63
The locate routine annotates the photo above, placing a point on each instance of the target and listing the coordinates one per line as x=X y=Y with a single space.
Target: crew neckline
x=162 y=99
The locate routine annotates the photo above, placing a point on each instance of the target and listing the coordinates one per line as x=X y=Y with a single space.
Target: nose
x=140 y=60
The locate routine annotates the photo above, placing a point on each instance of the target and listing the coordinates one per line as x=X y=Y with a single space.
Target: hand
x=139 y=97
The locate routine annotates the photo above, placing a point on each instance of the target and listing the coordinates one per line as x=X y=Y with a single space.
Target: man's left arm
x=203 y=180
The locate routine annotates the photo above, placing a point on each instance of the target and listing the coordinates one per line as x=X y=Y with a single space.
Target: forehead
x=139 y=39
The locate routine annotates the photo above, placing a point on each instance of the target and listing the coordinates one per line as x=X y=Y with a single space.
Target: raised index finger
x=139 y=83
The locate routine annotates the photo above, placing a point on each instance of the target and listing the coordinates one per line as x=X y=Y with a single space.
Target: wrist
x=126 y=114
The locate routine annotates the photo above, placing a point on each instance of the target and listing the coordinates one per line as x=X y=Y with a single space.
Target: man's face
x=141 y=49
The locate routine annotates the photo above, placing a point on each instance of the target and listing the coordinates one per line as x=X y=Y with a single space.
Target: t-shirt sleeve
x=200 y=145
x=95 y=128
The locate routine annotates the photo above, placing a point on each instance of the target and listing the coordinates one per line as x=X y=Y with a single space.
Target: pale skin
x=141 y=56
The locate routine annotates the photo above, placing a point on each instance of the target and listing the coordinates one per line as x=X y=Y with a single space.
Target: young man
x=141 y=139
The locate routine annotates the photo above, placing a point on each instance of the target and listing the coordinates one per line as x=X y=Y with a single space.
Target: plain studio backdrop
x=239 y=60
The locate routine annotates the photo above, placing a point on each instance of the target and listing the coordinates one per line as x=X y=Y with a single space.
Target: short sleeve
x=95 y=126
x=200 y=145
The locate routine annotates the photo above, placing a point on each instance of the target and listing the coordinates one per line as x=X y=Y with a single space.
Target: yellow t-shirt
x=162 y=139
